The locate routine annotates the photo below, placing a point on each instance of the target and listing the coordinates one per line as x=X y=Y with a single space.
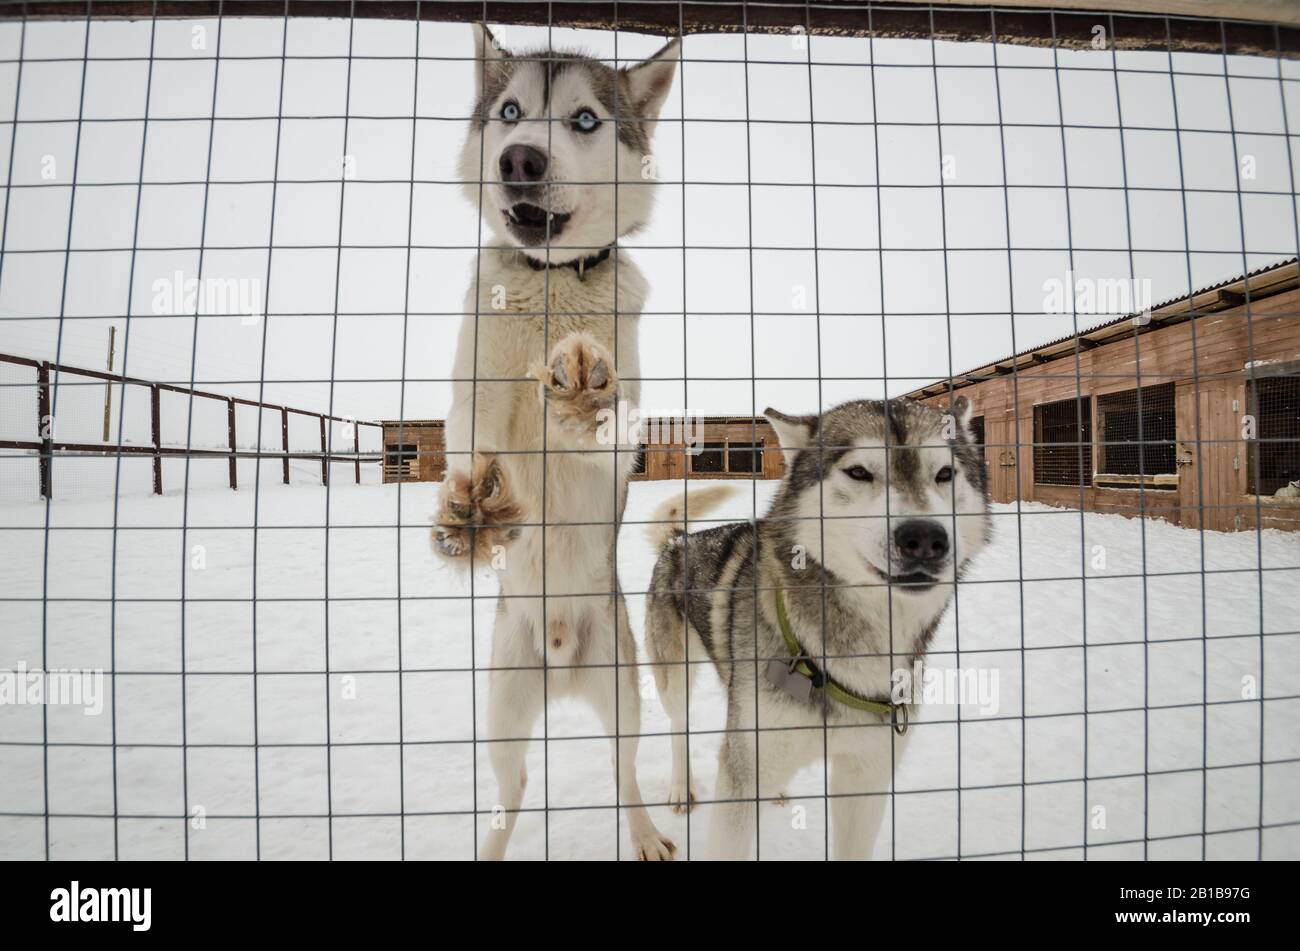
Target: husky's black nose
x=522 y=163
x=921 y=539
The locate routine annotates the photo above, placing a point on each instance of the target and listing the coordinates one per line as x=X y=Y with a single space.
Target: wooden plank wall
x=669 y=460
x=1206 y=360
x=427 y=435
x=666 y=460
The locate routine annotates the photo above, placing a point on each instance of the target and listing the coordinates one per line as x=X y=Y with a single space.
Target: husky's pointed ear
x=648 y=82
x=794 y=432
x=489 y=57
x=960 y=408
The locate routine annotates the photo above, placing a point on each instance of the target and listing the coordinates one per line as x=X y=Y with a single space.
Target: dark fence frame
x=1263 y=28
x=47 y=447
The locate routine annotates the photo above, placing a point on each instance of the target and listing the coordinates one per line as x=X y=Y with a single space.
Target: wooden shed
x=1192 y=415
x=720 y=447
x=714 y=447
x=414 y=450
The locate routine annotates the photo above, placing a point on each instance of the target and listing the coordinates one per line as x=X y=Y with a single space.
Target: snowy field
x=1193 y=619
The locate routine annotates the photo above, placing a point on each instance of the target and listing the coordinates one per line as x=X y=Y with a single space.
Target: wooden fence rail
x=1261 y=27
x=47 y=447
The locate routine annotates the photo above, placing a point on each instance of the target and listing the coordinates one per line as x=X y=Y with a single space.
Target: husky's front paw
x=681 y=797
x=578 y=382
x=478 y=512
x=651 y=845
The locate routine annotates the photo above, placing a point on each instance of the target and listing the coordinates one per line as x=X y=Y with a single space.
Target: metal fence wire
x=1084 y=223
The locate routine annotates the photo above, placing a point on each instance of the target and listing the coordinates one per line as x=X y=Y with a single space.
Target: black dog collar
x=581 y=265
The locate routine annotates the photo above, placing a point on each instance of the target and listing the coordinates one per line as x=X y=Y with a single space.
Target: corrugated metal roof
x=1084 y=331
x=1164 y=303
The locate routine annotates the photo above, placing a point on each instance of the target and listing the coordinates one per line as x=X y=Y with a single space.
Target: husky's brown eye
x=860 y=473
x=944 y=474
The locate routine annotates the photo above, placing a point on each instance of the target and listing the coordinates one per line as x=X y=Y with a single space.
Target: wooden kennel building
x=1192 y=416
x=414 y=450
x=729 y=447
x=722 y=447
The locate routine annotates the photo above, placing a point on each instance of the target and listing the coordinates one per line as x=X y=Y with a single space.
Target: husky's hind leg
x=515 y=697
x=622 y=720
x=666 y=636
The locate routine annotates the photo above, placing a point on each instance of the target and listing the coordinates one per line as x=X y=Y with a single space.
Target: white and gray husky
x=807 y=613
x=539 y=358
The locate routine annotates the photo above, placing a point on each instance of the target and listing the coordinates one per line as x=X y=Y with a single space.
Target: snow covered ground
x=1194 y=618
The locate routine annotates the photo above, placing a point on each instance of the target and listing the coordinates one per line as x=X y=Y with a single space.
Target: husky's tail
x=669 y=518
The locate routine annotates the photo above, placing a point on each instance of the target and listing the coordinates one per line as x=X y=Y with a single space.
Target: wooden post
x=356 y=449
x=45 y=428
x=284 y=440
x=230 y=426
x=155 y=413
x=324 y=455
x=108 y=385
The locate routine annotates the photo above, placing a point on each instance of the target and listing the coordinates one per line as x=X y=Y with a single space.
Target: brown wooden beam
x=100 y=449
x=172 y=388
x=1262 y=27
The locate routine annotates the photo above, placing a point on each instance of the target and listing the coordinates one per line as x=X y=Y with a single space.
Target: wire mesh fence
x=300 y=215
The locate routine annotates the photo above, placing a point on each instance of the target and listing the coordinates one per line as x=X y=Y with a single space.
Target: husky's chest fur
x=519 y=312
x=515 y=314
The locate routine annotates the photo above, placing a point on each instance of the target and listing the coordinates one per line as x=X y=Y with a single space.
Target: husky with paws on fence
x=554 y=159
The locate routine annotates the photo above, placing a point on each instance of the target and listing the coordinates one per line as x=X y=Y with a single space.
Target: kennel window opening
x=1275 y=461
x=711 y=459
x=401 y=461
x=1063 y=442
x=1136 y=438
x=745 y=457
x=726 y=458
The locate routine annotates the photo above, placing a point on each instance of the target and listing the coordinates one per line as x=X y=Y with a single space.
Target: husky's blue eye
x=944 y=474
x=510 y=111
x=586 y=121
x=860 y=473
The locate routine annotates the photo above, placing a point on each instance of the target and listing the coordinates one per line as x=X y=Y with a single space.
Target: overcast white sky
x=944 y=313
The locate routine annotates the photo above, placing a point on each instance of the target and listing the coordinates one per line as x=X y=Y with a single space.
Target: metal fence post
x=284 y=440
x=356 y=449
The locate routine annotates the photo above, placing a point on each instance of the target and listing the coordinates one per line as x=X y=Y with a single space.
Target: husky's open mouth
x=533 y=224
x=913 y=581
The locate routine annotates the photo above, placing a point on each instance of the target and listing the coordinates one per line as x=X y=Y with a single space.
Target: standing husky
x=881 y=508
x=535 y=368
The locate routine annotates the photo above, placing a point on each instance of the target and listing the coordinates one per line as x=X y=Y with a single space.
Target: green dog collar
x=812 y=679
